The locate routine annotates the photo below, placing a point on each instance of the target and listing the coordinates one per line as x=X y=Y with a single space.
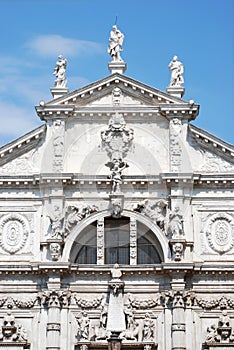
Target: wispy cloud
x=16 y=121
x=52 y=45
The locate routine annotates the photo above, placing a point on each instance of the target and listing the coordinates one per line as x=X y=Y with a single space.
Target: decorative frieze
x=11 y=302
x=88 y=304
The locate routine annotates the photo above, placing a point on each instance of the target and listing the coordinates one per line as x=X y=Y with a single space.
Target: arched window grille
x=123 y=243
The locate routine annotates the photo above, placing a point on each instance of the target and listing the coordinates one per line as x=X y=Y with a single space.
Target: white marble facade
x=117 y=173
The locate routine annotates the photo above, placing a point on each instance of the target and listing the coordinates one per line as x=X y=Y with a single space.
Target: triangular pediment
x=21 y=155
x=213 y=155
x=102 y=92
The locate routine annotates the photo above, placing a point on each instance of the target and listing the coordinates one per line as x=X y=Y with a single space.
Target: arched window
x=120 y=242
x=117 y=243
x=86 y=245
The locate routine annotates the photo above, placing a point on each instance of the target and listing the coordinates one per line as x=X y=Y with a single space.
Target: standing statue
x=60 y=72
x=148 y=328
x=175 y=228
x=177 y=71
x=116 y=167
x=115 y=44
x=83 y=323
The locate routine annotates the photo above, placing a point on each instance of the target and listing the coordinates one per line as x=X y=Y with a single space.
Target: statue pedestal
x=117 y=67
x=176 y=91
x=57 y=92
x=114 y=342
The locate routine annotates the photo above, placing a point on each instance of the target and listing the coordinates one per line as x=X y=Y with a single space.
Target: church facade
x=117 y=221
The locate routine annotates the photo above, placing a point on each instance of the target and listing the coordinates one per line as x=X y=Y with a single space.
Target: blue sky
x=35 y=32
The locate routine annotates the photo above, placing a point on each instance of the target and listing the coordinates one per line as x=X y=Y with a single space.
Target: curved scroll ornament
x=14 y=232
x=220 y=232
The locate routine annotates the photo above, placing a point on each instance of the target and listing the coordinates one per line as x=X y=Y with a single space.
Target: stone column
x=178 y=316
x=53 y=324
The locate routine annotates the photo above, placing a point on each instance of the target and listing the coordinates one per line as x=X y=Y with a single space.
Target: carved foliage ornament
x=219 y=231
x=14 y=232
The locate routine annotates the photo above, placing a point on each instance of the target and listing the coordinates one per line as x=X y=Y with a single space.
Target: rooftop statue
x=115 y=44
x=177 y=71
x=60 y=72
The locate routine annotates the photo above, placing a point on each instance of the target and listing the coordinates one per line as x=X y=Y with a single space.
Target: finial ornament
x=60 y=72
x=177 y=71
x=115 y=44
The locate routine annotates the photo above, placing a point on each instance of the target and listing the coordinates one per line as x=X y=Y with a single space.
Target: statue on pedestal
x=60 y=72
x=177 y=71
x=115 y=44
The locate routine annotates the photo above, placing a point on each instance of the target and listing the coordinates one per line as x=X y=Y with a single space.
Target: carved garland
x=14 y=232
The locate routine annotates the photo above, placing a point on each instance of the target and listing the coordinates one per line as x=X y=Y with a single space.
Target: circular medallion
x=220 y=232
x=14 y=231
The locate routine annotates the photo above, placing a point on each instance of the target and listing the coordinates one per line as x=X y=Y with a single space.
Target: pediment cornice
x=21 y=145
x=212 y=143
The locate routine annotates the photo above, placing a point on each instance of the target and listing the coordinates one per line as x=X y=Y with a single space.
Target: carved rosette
x=219 y=232
x=14 y=232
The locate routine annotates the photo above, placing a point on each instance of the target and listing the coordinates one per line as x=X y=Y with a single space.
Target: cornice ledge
x=212 y=143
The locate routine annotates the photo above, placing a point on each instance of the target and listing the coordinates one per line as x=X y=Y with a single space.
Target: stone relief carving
x=177 y=250
x=58 y=145
x=116 y=96
x=10 y=331
x=14 y=232
x=100 y=241
x=116 y=168
x=143 y=304
x=83 y=326
x=75 y=214
x=117 y=139
x=175 y=225
x=132 y=326
x=177 y=71
x=60 y=72
x=62 y=222
x=88 y=304
x=59 y=298
x=222 y=302
x=157 y=212
x=55 y=250
x=213 y=163
x=148 y=328
x=10 y=302
x=222 y=333
x=133 y=241
x=175 y=144
x=219 y=231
